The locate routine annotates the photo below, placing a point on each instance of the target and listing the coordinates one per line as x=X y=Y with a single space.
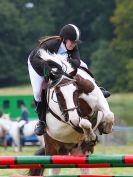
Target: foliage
x=123 y=21
x=123 y=42
x=106 y=32
x=24 y=22
x=21 y=27
x=11 y=40
x=108 y=67
x=130 y=74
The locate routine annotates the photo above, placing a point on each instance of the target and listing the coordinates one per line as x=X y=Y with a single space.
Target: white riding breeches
x=21 y=123
x=36 y=82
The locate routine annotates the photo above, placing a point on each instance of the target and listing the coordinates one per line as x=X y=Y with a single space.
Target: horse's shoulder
x=85 y=85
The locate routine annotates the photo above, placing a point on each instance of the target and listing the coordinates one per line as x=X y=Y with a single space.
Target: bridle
x=58 y=94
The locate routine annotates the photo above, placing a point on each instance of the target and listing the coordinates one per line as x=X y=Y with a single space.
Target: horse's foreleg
x=87 y=129
x=97 y=102
x=37 y=172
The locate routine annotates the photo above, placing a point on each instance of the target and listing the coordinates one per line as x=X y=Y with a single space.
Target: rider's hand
x=74 y=63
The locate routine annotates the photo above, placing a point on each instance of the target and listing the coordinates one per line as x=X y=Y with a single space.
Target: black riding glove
x=74 y=63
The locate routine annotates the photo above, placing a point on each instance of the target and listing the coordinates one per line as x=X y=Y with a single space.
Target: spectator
x=24 y=118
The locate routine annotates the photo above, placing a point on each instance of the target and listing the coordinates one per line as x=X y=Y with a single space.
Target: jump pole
x=39 y=166
x=65 y=159
x=75 y=176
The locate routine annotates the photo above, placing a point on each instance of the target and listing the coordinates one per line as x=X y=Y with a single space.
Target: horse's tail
x=37 y=172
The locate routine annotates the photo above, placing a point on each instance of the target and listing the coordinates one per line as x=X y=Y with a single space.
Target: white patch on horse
x=68 y=91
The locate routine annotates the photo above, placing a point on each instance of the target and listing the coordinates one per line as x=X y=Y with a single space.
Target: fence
x=65 y=161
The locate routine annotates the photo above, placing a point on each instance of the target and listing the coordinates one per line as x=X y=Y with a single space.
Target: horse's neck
x=85 y=75
x=6 y=124
x=66 y=66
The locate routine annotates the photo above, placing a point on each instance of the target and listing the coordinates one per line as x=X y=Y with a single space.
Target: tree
x=24 y=22
x=123 y=41
x=93 y=19
x=21 y=28
x=11 y=40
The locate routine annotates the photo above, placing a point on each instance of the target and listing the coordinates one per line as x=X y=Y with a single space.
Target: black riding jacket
x=52 y=45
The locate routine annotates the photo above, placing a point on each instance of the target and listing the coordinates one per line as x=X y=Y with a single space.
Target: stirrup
x=40 y=128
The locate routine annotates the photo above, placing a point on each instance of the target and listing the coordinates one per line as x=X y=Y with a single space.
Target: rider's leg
x=105 y=92
x=36 y=82
x=41 y=125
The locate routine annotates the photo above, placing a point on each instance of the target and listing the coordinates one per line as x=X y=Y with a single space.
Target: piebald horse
x=72 y=102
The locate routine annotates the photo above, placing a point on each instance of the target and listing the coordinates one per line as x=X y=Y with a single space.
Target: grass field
x=20 y=90
x=121 y=104
x=29 y=150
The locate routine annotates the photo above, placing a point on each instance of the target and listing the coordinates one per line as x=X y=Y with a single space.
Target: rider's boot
x=41 y=125
x=105 y=92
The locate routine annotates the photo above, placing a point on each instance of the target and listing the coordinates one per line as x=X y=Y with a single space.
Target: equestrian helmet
x=70 y=32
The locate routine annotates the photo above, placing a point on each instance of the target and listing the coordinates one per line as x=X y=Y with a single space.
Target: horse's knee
x=106 y=124
x=84 y=123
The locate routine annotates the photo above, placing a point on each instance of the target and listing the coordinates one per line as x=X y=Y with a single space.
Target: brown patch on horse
x=54 y=147
x=61 y=102
x=84 y=85
x=85 y=109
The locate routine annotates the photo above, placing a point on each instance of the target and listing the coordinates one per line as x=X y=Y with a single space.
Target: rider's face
x=70 y=44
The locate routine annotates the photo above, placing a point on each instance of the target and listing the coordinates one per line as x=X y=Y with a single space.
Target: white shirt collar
x=62 y=49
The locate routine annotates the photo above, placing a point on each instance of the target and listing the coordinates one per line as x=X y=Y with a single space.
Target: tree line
x=106 y=34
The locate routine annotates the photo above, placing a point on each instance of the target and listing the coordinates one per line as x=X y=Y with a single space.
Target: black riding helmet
x=70 y=32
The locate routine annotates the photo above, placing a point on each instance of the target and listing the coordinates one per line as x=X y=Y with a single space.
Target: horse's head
x=68 y=100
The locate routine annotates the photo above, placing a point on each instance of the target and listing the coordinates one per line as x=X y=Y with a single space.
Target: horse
x=12 y=128
x=72 y=101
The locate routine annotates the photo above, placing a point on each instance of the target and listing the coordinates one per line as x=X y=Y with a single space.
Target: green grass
x=98 y=150
x=122 y=106
x=20 y=90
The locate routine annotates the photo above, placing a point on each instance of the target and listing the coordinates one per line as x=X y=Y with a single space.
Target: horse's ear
x=77 y=78
x=73 y=73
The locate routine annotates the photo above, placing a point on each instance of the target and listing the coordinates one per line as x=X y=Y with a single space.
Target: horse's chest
x=62 y=131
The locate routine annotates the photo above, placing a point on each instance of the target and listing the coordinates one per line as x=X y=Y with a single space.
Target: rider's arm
x=74 y=57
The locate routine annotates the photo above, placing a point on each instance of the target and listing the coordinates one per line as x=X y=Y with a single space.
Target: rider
x=65 y=43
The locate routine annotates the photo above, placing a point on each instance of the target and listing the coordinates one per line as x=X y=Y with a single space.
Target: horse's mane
x=56 y=58
x=46 y=55
x=46 y=38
